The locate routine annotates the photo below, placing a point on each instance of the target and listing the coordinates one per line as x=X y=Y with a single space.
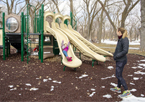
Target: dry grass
x=110 y=45
x=112 y=48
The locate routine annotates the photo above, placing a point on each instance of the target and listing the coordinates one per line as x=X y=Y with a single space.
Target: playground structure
x=16 y=31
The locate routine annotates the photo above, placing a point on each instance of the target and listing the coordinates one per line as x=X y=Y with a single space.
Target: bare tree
x=13 y=4
x=92 y=10
x=142 y=37
x=129 y=5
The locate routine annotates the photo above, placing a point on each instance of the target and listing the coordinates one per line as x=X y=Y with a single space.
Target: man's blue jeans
x=119 y=69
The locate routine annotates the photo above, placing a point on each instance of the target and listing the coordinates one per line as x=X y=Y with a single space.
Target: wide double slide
x=82 y=47
x=59 y=36
x=88 y=43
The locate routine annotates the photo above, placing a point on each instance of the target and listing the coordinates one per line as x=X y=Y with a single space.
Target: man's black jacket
x=121 y=49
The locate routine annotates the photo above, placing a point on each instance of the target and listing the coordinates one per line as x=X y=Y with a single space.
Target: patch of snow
x=130 y=75
x=134 y=67
x=11 y=86
x=49 y=79
x=113 y=84
x=92 y=94
x=27 y=84
x=37 y=78
x=139 y=67
x=19 y=93
x=93 y=89
x=84 y=75
x=133 y=48
x=13 y=89
x=142 y=95
x=135 y=78
x=139 y=72
x=133 y=90
x=33 y=89
x=103 y=86
x=52 y=88
x=107 y=96
x=142 y=60
x=55 y=81
x=110 y=67
x=133 y=99
x=45 y=80
x=142 y=64
x=107 y=41
x=132 y=83
x=108 y=77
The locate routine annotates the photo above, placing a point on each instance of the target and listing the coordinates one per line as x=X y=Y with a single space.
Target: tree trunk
x=142 y=36
x=100 y=27
x=71 y=6
x=88 y=29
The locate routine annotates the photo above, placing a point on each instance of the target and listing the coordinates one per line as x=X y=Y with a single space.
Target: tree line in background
x=96 y=19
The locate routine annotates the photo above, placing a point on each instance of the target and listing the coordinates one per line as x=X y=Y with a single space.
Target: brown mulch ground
x=18 y=79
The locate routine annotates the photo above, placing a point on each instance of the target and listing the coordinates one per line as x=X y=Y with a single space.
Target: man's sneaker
x=116 y=89
x=125 y=94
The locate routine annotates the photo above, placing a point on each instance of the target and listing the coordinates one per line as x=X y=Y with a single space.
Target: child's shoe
x=69 y=60
x=116 y=89
x=125 y=94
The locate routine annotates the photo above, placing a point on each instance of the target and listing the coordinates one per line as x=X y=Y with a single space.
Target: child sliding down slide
x=65 y=48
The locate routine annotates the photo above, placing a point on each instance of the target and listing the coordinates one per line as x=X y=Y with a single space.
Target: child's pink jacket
x=65 y=48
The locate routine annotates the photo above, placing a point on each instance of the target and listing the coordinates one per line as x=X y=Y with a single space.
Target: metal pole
x=7 y=51
x=42 y=20
x=27 y=32
x=4 y=57
x=39 y=27
x=25 y=23
x=22 y=36
x=71 y=21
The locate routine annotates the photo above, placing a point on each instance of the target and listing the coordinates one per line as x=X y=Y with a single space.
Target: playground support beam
x=71 y=20
x=22 y=36
x=39 y=27
x=4 y=56
x=42 y=27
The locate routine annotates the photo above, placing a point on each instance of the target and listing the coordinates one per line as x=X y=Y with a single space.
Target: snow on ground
x=107 y=96
x=110 y=67
x=92 y=94
x=133 y=90
x=135 y=78
x=142 y=60
x=142 y=64
x=11 y=86
x=133 y=99
x=102 y=86
x=139 y=72
x=113 y=84
x=52 y=88
x=33 y=89
x=82 y=76
x=115 y=42
x=113 y=76
x=132 y=83
x=55 y=81
x=27 y=84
